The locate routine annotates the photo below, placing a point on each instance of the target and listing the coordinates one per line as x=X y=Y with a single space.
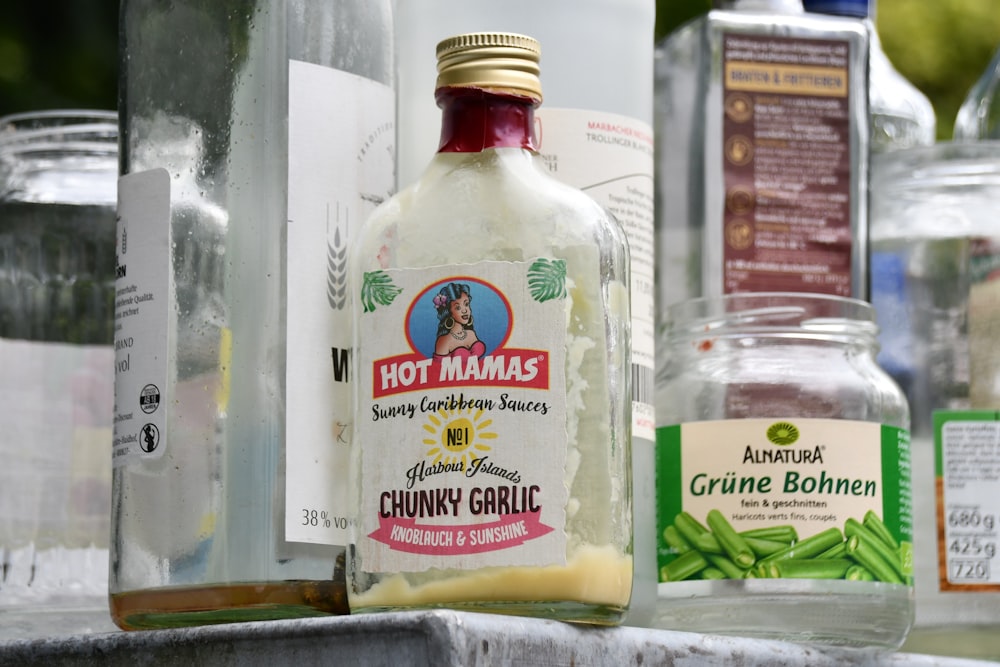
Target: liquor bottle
x=254 y=143
x=594 y=133
x=900 y=115
x=979 y=115
x=762 y=153
x=492 y=350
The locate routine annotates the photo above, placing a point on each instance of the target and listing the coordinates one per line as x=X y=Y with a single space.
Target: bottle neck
x=474 y=119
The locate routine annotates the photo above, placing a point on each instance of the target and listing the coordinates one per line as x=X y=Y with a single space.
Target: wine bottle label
x=340 y=166
x=463 y=427
x=610 y=157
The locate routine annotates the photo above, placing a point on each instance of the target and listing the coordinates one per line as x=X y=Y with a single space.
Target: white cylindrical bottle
x=253 y=142
x=901 y=116
x=594 y=132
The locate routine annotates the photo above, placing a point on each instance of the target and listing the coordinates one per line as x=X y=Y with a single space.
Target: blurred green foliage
x=63 y=53
x=941 y=46
x=58 y=54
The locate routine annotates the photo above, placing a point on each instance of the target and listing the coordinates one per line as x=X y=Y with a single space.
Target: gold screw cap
x=503 y=60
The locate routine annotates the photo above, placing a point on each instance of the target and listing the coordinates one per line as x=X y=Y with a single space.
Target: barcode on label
x=642 y=384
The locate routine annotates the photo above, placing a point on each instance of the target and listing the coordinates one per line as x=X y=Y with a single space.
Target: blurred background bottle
x=595 y=133
x=979 y=115
x=761 y=171
x=57 y=224
x=936 y=286
x=255 y=137
x=901 y=116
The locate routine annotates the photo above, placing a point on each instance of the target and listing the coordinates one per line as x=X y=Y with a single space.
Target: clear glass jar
x=935 y=249
x=508 y=290
x=254 y=141
x=58 y=171
x=781 y=439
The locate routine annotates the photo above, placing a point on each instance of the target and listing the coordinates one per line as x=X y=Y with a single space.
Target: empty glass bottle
x=255 y=136
x=979 y=115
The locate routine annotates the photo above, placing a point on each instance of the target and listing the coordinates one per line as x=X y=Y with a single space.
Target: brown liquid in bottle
x=173 y=606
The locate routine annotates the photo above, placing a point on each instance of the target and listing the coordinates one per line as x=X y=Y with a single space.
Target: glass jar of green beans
x=783 y=473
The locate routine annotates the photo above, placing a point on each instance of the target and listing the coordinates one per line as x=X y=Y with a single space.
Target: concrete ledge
x=438 y=638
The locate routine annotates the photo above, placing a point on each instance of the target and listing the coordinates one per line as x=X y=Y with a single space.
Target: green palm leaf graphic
x=377 y=289
x=547 y=279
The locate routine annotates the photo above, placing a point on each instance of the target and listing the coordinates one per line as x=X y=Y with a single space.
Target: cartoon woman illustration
x=455 y=334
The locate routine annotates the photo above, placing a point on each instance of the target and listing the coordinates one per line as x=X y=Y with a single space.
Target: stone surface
x=438 y=638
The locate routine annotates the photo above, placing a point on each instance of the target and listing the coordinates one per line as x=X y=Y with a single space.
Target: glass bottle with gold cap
x=491 y=448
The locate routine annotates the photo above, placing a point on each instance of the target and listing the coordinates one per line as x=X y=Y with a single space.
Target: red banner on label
x=409 y=536
x=528 y=369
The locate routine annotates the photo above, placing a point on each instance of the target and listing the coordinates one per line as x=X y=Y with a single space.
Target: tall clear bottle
x=979 y=115
x=255 y=136
x=594 y=133
x=492 y=348
x=901 y=116
x=762 y=153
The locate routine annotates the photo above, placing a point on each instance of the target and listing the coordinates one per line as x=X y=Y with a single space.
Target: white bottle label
x=340 y=166
x=967 y=445
x=463 y=408
x=142 y=292
x=610 y=157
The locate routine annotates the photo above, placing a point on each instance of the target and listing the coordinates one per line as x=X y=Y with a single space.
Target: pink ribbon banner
x=409 y=536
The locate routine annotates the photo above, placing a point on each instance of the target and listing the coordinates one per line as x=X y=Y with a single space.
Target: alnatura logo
x=782 y=433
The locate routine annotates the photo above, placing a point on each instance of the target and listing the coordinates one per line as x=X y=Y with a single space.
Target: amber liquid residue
x=227 y=603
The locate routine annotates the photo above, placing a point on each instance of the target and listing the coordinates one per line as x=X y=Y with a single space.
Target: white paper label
x=968 y=447
x=610 y=157
x=142 y=290
x=340 y=166
x=463 y=416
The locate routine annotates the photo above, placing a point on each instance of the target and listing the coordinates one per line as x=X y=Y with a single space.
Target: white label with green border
x=967 y=462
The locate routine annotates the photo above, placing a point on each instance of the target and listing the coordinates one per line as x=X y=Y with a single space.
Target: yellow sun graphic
x=457 y=436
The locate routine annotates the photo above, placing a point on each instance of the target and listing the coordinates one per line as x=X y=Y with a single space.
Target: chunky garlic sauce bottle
x=491 y=447
x=594 y=132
